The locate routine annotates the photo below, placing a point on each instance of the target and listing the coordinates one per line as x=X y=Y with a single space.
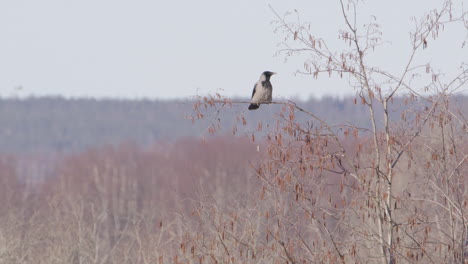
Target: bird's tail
x=254 y=106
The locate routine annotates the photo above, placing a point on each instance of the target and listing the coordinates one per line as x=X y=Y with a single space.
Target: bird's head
x=268 y=74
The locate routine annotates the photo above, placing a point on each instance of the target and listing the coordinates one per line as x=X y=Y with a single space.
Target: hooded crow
x=262 y=92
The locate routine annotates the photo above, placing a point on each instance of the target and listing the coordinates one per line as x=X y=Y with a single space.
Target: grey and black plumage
x=262 y=92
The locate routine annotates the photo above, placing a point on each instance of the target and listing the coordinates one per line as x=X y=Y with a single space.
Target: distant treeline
x=58 y=124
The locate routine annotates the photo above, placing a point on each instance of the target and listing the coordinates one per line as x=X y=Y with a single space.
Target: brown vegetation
x=117 y=204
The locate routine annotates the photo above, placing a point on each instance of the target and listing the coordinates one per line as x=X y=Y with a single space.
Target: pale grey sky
x=169 y=49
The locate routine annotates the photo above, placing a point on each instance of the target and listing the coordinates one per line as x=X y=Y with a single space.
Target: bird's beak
x=273 y=73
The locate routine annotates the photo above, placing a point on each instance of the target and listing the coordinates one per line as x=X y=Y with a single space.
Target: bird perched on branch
x=262 y=92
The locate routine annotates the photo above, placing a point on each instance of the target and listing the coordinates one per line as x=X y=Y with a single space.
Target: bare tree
x=394 y=192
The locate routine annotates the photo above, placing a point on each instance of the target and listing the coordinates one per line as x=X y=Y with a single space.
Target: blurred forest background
x=80 y=175
x=59 y=125
x=55 y=124
x=38 y=133
x=119 y=181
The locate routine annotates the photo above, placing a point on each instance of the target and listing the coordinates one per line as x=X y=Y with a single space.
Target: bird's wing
x=254 y=89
